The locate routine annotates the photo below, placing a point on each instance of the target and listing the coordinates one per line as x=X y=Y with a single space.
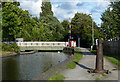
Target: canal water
x=30 y=66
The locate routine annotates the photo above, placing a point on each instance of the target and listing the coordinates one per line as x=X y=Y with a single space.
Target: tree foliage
x=46 y=9
x=111 y=20
x=82 y=27
x=18 y=23
x=53 y=25
x=65 y=25
x=10 y=21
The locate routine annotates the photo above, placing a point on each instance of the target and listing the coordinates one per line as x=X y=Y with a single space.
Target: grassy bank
x=10 y=48
x=93 y=51
x=57 y=77
x=114 y=61
x=77 y=56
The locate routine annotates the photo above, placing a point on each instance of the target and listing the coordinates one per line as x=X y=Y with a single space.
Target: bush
x=10 y=47
x=6 y=47
x=14 y=47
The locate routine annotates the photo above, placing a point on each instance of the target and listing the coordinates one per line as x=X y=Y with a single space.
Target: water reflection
x=10 y=69
x=27 y=67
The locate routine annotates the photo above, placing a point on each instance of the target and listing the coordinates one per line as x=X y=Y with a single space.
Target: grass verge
x=57 y=77
x=77 y=56
x=97 y=79
x=114 y=61
x=94 y=51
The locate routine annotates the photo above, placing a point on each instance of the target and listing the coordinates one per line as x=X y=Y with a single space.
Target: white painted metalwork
x=42 y=44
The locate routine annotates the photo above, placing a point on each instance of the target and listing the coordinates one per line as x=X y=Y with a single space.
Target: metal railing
x=42 y=44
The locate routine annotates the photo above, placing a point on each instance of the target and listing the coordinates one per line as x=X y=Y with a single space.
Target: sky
x=65 y=10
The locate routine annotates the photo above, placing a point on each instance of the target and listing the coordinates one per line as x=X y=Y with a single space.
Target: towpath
x=86 y=63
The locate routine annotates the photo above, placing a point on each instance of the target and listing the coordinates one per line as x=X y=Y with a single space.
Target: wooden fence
x=111 y=48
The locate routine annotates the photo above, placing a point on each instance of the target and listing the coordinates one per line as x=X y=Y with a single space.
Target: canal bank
x=54 y=69
x=54 y=72
x=8 y=54
x=14 y=54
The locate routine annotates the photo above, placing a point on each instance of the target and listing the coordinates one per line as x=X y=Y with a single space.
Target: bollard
x=99 y=60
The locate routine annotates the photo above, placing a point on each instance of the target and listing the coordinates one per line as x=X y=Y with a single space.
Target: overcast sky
x=64 y=10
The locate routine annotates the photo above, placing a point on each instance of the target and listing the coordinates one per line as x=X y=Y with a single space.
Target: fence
x=111 y=48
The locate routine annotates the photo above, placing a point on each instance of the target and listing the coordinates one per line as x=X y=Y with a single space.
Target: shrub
x=6 y=47
x=14 y=47
x=10 y=47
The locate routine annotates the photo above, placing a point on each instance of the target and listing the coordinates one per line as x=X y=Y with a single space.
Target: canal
x=30 y=66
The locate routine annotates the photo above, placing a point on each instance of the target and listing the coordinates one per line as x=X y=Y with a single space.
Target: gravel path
x=88 y=62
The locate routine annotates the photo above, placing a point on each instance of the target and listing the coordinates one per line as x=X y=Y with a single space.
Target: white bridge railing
x=42 y=44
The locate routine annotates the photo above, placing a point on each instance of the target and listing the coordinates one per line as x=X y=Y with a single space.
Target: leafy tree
x=65 y=25
x=16 y=22
x=52 y=22
x=46 y=9
x=10 y=21
x=39 y=32
x=26 y=25
x=82 y=27
x=111 y=19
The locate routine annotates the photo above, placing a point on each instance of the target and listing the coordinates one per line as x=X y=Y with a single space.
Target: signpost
x=73 y=43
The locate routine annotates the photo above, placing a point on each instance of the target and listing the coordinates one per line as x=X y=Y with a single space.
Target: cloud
x=67 y=5
x=97 y=10
x=33 y=6
x=65 y=10
x=80 y=4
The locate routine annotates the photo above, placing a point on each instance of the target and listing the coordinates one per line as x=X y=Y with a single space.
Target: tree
x=111 y=19
x=65 y=25
x=39 y=32
x=16 y=22
x=10 y=21
x=26 y=25
x=82 y=27
x=46 y=9
x=52 y=22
